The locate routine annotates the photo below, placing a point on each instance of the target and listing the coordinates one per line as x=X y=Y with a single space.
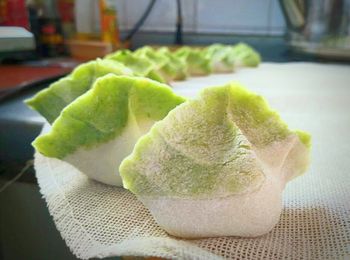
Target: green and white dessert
x=176 y=68
x=52 y=100
x=197 y=61
x=221 y=58
x=99 y=129
x=245 y=56
x=158 y=59
x=216 y=165
x=141 y=65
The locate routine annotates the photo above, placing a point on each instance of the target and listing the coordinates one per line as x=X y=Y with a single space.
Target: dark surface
x=18 y=127
x=27 y=230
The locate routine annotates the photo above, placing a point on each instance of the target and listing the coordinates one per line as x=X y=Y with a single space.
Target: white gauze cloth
x=97 y=220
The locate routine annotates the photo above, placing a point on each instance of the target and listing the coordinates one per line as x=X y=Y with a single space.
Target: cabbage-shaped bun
x=216 y=165
x=157 y=58
x=141 y=65
x=220 y=58
x=96 y=131
x=245 y=56
x=162 y=62
x=51 y=101
x=197 y=61
x=176 y=68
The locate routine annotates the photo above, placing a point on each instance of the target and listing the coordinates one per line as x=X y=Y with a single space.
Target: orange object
x=109 y=27
x=88 y=50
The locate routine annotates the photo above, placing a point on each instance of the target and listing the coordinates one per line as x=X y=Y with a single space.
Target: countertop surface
x=23 y=75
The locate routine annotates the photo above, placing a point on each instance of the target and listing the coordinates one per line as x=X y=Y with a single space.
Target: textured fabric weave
x=97 y=220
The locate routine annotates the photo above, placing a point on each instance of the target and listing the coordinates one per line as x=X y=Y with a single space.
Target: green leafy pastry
x=168 y=66
x=176 y=68
x=216 y=165
x=244 y=55
x=198 y=63
x=96 y=131
x=157 y=58
x=141 y=65
x=221 y=58
x=51 y=101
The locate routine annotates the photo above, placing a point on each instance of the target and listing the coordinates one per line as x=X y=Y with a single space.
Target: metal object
x=14 y=39
x=320 y=27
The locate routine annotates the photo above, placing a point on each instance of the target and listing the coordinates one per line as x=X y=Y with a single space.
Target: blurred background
x=87 y=29
x=43 y=40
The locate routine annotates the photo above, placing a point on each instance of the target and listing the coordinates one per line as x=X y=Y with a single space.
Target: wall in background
x=254 y=17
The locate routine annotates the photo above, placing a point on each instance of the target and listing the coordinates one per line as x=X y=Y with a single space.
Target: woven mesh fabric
x=98 y=220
